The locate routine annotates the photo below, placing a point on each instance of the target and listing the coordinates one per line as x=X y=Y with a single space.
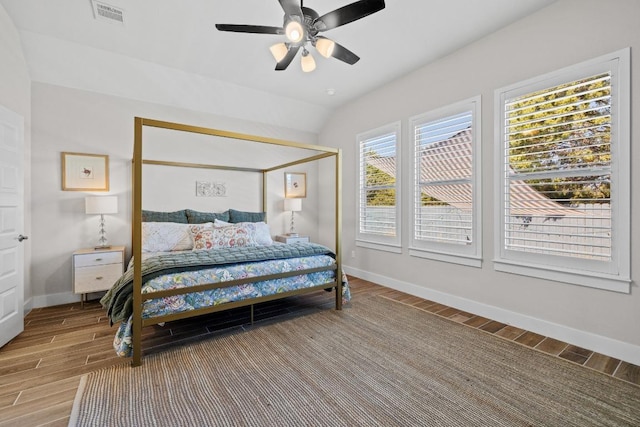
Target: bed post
x=136 y=243
x=339 y=230
x=264 y=196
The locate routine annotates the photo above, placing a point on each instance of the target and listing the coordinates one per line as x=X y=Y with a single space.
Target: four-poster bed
x=232 y=276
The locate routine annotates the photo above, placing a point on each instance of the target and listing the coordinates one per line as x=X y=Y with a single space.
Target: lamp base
x=101 y=247
x=293 y=234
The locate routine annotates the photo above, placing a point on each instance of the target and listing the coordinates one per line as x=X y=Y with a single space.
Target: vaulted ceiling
x=179 y=38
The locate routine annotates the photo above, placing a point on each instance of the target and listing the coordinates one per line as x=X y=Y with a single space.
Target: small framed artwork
x=211 y=189
x=295 y=185
x=85 y=172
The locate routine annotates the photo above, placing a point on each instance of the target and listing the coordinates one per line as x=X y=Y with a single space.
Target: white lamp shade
x=325 y=47
x=294 y=31
x=101 y=205
x=294 y=205
x=308 y=63
x=279 y=51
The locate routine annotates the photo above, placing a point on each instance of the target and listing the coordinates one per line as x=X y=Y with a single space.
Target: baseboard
x=50 y=300
x=27 y=306
x=598 y=343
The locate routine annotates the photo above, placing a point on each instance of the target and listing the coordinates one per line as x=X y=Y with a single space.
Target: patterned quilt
x=119 y=299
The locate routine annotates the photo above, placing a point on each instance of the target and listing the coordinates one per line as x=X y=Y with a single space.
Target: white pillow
x=166 y=237
x=262 y=231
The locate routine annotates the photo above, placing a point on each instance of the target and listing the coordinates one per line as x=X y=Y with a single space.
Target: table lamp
x=101 y=205
x=293 y=205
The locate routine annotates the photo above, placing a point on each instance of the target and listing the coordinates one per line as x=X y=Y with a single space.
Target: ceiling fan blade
x=291 y=7
x=349 y=13
x=342 y=53
x=282 y=65
x=256 y=29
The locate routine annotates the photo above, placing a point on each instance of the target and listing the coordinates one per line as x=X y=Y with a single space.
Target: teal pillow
x=195 y=217
x=240 y=216
x=155 y=216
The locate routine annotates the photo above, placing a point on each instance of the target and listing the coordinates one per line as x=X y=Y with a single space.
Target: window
x=564 y=176
x=446 y=174
x=379 y=195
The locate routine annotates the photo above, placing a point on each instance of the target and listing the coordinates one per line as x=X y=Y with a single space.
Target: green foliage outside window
x=566 y=128
x=378 y=183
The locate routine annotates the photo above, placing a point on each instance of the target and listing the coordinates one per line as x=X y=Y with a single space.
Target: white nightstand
x=96 y=270
x=283 y=238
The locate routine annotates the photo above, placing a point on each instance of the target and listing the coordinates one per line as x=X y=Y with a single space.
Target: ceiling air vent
x=105 y=12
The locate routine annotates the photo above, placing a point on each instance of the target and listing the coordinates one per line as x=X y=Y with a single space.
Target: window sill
x=469 y=261
x=396 y=249
x=581 y=278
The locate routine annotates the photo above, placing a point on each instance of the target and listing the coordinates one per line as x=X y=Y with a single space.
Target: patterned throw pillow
x=165 y=237
x=233 y=235
x=263 y=232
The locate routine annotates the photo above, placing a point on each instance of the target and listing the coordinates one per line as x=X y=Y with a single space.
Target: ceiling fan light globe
x=294 y=31
x=325 y=47
x=279 y=51
x=307 y=63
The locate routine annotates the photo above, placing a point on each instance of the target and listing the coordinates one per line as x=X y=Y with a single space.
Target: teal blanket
x=119 y=299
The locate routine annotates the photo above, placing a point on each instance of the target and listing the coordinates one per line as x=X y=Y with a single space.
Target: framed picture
x=295 y=185
x=85 y=172
x=211 y=189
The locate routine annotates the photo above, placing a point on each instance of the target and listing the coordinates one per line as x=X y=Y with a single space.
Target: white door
x=11 y=225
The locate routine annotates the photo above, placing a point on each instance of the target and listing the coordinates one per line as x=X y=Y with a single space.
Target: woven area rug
x=376 y=363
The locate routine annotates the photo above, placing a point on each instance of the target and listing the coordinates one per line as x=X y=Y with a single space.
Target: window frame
x=371 y=240
x=614 y=275
x=469 y=255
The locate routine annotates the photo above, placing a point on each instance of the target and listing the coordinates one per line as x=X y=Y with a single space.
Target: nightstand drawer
x=99 y=258
x=97 y=278
x=96 y=270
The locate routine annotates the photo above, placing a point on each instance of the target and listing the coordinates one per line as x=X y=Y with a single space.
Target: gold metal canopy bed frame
x=319 y=152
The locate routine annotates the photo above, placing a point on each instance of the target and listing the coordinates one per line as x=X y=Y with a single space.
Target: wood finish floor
x=41 y=368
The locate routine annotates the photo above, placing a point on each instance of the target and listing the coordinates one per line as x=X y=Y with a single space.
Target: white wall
x=67 y=64
x=72 y=120
x=565 y=33
x=15 y=94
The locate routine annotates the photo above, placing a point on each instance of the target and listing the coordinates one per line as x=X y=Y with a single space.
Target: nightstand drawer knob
x=99 y=278
x=98 y=259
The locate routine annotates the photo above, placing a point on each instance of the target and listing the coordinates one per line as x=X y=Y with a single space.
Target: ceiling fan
x=302 y=26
